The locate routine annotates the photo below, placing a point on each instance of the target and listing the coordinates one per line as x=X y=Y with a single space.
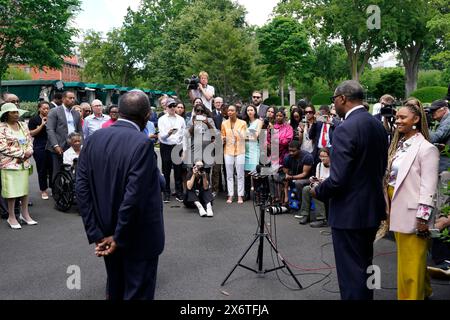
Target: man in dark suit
x=355 y=189
x=119 y=182
x=61 y=121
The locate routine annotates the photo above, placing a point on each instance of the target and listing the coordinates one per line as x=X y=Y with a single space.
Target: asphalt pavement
x=38 y=262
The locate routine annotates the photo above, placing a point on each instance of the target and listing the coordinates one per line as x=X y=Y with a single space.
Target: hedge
x=274 y=100
x=321 y=98
x=430 y=94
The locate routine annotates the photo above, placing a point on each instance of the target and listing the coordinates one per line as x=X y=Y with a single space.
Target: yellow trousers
x=413 y=280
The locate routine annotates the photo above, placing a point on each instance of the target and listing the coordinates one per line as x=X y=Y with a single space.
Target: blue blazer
x=358 y=164
x=118 y=191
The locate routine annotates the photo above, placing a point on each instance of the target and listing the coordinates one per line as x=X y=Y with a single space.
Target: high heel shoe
x=30 y=223
x=14 y=226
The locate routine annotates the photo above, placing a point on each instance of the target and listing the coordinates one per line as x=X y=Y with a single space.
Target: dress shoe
x=319 y=224
x=303 y=220
x=14 y=226
x=30 y=223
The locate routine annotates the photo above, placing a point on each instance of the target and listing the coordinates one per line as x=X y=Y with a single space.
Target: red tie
x=324 y=133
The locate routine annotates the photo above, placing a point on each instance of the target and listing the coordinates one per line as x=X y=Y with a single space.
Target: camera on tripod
x=193 y=82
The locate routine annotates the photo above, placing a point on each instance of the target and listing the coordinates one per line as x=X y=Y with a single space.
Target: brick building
x=68 y=73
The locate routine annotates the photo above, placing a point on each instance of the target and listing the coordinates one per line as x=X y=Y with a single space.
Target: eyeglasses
x=170 y=106
x=199 y=111
x=334 y=97
x=256 y=97
x=88 y=111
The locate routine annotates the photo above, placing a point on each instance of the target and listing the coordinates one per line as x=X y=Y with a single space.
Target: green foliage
x=36 y=32
x=275 y=100
x=345 y=20
x=15 y=73
x=322 y=98
x=431 y=78
x=372 y=77
x=307 y=89
x=392 y=83
x=430 y=94
x=31 y=107
x=284 y=47
x=233 y=69
x=330 y=63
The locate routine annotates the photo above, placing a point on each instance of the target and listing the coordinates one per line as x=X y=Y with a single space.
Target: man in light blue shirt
x=94 y=122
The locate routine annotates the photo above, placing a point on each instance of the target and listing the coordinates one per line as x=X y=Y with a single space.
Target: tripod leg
x=284 y=262
x=239 y=261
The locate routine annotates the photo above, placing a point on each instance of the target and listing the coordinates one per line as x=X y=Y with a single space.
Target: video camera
x=429 y=116
x=193 y=82
x=388 y=110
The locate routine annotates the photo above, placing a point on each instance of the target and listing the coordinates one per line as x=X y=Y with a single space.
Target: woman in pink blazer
x=412 y=182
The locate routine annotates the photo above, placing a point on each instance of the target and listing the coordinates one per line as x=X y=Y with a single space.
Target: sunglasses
x=334 y=97
x=199 y=111
x=170 y=106
x=88 y=111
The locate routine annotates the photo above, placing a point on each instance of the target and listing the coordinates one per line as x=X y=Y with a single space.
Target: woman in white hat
x=16 y=149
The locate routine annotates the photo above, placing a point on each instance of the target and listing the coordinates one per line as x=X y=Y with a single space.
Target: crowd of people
x=348 y=170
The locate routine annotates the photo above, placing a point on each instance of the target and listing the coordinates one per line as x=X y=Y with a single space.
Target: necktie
x=324 y=133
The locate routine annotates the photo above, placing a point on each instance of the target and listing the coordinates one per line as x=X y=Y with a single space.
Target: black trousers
x=44 y=167
x=167 y=165
x=57 y=162
x=440 y=251
x=130 y=279
x=353 y=251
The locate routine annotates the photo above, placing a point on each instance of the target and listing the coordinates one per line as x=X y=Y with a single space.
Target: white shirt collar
x=351 y=110
x=134 y=124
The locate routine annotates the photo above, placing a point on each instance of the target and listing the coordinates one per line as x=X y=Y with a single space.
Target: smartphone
x=200 y=118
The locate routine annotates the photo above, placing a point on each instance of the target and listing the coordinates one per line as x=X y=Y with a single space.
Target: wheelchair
x=64 y=187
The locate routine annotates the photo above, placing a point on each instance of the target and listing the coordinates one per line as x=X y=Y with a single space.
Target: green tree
x=169 y=64
x=330 y=63
x=392 y=82
x=36 y=32
x=108 y=60
x=346 y=21
x=284 y=46
x=233 y=67
x=411 y=35
x=15 y=73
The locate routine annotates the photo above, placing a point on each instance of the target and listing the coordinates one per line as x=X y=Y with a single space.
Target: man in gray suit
x=61 y=121
x=261 y=108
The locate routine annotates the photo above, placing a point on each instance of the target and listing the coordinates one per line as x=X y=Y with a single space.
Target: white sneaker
x=209 y=212
x=202 y=212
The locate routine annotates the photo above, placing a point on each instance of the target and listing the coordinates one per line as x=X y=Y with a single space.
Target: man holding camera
x=441 y=137
x=204 y=91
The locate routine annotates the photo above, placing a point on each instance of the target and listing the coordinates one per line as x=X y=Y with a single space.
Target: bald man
x=95 y=121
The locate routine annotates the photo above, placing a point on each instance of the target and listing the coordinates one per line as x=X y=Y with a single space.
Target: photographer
x=198 y=193
x=42 y=157
x=387 y=113
x=203 y=91
x=441 y=137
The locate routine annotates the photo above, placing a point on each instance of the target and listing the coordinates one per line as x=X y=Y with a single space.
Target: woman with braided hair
x=411 y=180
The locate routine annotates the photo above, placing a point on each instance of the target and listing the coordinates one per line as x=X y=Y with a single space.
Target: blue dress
x=252 y=147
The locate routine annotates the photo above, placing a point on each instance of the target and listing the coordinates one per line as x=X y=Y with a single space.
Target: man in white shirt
x=171 y=133
x=204 y=91
x=94 y=122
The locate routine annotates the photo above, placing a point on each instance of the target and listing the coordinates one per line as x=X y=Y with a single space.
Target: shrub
x=430 y=94
x=430 y=78
x=276 y=101
x=321 y=98
x=391 y=82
